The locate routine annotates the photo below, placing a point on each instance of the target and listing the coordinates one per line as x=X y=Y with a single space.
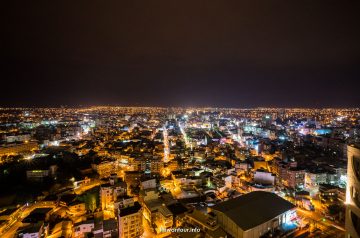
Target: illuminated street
x=166 y=145
x=15 y=224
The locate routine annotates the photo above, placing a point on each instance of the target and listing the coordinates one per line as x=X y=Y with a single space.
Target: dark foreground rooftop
x=130 y=210
x=253 y=209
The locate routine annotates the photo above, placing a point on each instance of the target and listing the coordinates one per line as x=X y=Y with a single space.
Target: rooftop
x=84 y=222
x=177 y=208
x=110 y=225
x=253 y=209
x=130 y=210
x=355 y=145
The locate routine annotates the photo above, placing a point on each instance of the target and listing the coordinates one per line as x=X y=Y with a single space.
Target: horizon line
x=168 y=107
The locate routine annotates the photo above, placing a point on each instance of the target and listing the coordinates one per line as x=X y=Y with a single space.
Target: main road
x=317 y=221
x=166 y=145
x=15 y=224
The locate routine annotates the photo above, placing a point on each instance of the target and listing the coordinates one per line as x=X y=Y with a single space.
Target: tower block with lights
x=352 y=224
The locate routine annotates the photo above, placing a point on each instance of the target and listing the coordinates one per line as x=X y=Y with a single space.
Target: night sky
x=180 y=53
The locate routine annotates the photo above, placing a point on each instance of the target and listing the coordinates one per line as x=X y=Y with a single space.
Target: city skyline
x=155 y=172
x=159 y=119
x=175 y=107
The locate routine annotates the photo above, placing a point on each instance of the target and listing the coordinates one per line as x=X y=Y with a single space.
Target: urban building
x=263 y=177
x=81 y=229
x=295 y=178
x=37 y=174
x=206 y=223
x=130 y=221
x=254 y=214
x=352 y=224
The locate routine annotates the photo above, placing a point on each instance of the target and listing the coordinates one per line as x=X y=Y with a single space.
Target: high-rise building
x=352 y=224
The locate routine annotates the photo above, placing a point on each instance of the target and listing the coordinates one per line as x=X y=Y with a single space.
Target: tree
x=334 y=209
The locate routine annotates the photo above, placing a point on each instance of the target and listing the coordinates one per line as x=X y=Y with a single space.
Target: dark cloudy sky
x=180 y=53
